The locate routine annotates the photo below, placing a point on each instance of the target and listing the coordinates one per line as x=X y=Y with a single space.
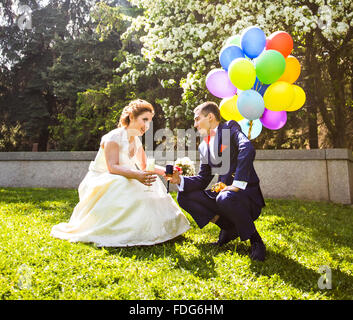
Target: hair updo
x=134 y=108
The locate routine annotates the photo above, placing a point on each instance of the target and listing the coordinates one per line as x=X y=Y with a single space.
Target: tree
x=80 y=64
x=95 y=95
x=30 y=61
x=184 y=39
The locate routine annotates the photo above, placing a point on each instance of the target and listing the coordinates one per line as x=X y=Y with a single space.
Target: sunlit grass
x=300 y=237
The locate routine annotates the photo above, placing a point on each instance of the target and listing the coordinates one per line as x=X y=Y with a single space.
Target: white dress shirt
x=239 y=184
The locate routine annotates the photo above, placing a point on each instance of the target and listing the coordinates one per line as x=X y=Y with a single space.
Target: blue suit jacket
x=240 y=155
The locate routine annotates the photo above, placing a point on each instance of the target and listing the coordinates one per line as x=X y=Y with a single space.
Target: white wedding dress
x=117 y=211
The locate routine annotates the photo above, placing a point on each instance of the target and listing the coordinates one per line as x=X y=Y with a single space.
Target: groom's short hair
x=209 y=107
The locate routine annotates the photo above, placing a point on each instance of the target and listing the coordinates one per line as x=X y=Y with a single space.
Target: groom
x=239 y=204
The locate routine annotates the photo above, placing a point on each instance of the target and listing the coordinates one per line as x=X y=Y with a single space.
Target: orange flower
x=218 y=187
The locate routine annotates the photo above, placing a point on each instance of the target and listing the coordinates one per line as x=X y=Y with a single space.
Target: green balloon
x=270 y=66
x=242 y=73
x=234 y=40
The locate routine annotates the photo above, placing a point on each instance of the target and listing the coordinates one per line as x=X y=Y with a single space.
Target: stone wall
x=320 y=175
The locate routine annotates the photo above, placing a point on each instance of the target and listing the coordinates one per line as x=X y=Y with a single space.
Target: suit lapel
x=218 y=141
x=205 y=152
x=215 y=146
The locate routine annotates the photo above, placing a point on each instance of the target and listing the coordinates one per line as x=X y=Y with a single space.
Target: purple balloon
x=218 y=83
x=273 y=120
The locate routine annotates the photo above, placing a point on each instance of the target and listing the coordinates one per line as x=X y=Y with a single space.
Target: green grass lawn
x=301 y=236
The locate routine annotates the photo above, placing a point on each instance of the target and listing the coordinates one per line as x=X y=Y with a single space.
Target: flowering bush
x=187 y=165
x=186 y=35
x=180 y=41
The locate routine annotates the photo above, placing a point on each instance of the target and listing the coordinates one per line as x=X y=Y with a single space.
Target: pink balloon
x=273 y=120
x=218 y=84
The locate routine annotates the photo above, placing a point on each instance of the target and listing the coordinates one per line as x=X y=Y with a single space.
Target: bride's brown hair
x=134 y=108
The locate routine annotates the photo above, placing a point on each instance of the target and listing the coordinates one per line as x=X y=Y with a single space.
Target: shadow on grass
x=276 y=264
x=300 y=277
x=296 y=274
x=201 y=265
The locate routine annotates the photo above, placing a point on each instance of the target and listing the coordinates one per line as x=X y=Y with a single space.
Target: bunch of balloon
x=256 y=80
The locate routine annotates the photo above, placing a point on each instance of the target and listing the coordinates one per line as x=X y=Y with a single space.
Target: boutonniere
x=223 y=147
x=218 y=187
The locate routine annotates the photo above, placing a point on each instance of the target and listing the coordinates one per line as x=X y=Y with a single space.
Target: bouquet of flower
x=218 y=187
x=186 y=165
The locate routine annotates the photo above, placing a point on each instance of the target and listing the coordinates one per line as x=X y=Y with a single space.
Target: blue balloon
x=250 y=104
x=260 y=87
x=253 y=41
x=228 y=54
x=256 y=127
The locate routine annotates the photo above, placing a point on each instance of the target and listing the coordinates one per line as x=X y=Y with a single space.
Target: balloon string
x=249 y=134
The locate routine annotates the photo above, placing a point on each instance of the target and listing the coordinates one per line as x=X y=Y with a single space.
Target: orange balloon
x=292 y=71
x=280 y=41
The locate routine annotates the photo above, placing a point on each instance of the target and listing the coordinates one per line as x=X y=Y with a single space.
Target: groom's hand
x=175 y=178
x=230 y=188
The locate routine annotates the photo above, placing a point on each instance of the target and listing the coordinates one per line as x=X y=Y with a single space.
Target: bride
x=114 y=207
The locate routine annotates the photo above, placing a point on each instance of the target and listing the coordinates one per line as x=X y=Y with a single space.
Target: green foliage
x=9 y=136
x=98 y=112
x=81 y=53
x=300 y=236
x=58 y=58
x=95 y=105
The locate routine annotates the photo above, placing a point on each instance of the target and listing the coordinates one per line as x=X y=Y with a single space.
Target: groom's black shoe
x=258 y=248
x=227 y=233
x=258 y=251
x=226 y=236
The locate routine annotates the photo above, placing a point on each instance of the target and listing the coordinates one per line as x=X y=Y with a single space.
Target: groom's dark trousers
x=235 y=159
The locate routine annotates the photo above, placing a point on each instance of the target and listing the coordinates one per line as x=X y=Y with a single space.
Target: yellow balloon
x=292 y=71
x=242 y=73
x=279 y=96
x=299 y=98
x=229 y=110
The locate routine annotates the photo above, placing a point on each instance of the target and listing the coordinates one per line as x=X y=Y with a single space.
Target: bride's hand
x=146 y=177
x=175 y=178
x=159 y=171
